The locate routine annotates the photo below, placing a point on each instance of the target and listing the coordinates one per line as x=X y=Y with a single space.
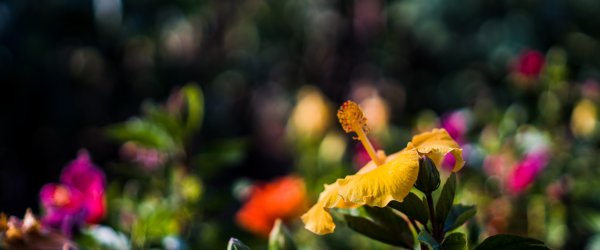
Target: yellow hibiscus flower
x=381 y=180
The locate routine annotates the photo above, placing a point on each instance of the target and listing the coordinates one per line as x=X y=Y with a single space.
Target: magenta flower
x=78 y=199
x=527 y=170
x=457 y=124
x=530 y=63
x=361 y=156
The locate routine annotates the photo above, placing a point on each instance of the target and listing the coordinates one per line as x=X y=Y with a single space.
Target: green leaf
x=458 y=215
x=87 y=240
x=195 y=107
x=425 y=237
x=235 y=244
x=455 y=241
x=142 y=132
x=393 y=222
x=413 y=207
x=511 y=242
x=169 y=122
x=374 y=231
x=444 y=203
x=280 y=238
x=219 y=155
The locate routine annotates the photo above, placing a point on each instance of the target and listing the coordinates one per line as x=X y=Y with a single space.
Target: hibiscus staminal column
x=352 y=119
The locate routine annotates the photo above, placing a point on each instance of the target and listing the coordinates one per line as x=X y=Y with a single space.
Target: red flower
x=530 y=63
x=283 y=198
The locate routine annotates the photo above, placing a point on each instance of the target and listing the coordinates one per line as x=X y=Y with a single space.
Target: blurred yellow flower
x=583 y=119
x=377 y=112
x=384 y=178
x=332 y=148
x=311 y=103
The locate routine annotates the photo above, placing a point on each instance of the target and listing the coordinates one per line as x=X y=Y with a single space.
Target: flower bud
x=280 y=238
x=429 y=177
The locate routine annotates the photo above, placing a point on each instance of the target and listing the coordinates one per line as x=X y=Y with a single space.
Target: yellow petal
x=318 y=219
x=390 y=181
x=436 y=144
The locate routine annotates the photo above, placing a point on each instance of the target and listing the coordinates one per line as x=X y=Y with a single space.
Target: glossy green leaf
x=425 y=237
x=374 y=231
x=510 y=242
x=444 y=203
x=280 y=238
x=413 y=207
x=455 y=241
x=235 y=244
x=458 y=215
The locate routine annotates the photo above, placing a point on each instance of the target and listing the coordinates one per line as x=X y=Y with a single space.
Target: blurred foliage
x=158 y=200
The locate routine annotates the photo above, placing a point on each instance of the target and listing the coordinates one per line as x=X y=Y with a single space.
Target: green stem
x=434 y=225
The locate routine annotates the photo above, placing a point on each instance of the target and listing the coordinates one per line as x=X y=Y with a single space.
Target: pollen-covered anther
x=352 y=118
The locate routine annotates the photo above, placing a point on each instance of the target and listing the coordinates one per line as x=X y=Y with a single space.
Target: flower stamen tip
x=352 y=118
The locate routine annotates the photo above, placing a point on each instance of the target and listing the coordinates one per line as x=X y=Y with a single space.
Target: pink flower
x=456 y=123
x=527 y=170
x=78 y=199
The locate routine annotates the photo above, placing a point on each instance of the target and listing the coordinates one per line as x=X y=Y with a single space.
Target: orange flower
x=283 y=198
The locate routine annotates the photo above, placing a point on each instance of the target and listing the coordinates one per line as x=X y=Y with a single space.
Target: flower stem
x=435 y=228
